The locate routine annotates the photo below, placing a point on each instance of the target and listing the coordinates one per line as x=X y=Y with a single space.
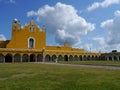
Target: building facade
x=28 y=44
x=112 y=56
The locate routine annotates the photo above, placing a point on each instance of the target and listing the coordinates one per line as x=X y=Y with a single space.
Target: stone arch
x=115 y=58
x=32 y=58
x=17 y=58
x=88 y=58
x=103 y=58
x=65 y=58
x=8 y=58
x=71 y=58
x=2 y=58
x=84 y=58
x=96 y=57
x=93 y=58
x=25 y=58
x=80 y=57
x=76 y=58
x=99 y=57
x=60 y=58
x=54 y=58
x=110 y=58
x=47 y=58
x=39 y=58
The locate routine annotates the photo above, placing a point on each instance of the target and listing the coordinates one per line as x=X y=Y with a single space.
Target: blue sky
x=89 y=24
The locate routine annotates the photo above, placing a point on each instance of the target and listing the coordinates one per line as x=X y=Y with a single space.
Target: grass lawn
x=103 y=63
x=36 y=76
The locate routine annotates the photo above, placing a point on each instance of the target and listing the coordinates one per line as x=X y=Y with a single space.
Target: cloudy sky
x=90 y=24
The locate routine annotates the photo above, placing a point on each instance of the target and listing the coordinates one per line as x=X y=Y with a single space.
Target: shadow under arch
x=32 y=58
x=8 y=58
x=65 y=58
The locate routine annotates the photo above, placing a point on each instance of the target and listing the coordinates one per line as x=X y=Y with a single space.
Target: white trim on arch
x=29 y=42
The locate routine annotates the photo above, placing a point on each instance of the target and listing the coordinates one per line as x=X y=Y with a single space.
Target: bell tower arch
x=16 y=25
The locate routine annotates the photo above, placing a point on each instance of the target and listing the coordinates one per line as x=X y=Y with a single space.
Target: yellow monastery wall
x=20 y=38
x=61 y=48
x=57 y=48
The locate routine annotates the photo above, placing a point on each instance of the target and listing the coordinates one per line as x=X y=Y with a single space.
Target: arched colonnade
x=111 y=57
x=20 y=57
x=46 y=58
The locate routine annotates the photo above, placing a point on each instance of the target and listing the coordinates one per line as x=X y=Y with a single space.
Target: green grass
x=36 y=76
x=103 y=63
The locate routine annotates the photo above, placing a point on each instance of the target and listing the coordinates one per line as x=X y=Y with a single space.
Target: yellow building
x=28 y=44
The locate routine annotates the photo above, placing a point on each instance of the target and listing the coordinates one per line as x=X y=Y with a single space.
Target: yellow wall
x=57 y=48
x=65 y=48
x=20 y=37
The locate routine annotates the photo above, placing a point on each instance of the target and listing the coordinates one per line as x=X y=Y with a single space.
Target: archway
x=99 y=57
x=75 y=58
x=71 y=58
x=39 y=58
x=80 y=57
x=84 y=58
x=54 y=57
x=65 y=58
x=25 y=58
x=115 y=58
x=17 y=58
x=88 y=58
x=93 y=58
x=110 y=58
x=1 y=58
x=47 y=58
x=8 y=58
x=103 y=58
x=96 y=57
x=60 y=58
x=32 y=58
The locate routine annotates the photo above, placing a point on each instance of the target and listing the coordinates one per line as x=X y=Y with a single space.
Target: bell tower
x=44 y=29
x=16 y=25
x=27 y=37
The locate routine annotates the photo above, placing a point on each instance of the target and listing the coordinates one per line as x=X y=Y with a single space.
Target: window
x=31 y=43
x=32 y=29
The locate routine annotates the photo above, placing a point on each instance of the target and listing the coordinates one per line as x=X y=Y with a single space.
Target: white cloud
x=2 y=37
x=63 y=22
x=117 y=13
x=103 y=4
x=113 y=28
x=100 y=40
x=101 y=44
x=109 y=48
x=61 y=36
x=88 y=47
